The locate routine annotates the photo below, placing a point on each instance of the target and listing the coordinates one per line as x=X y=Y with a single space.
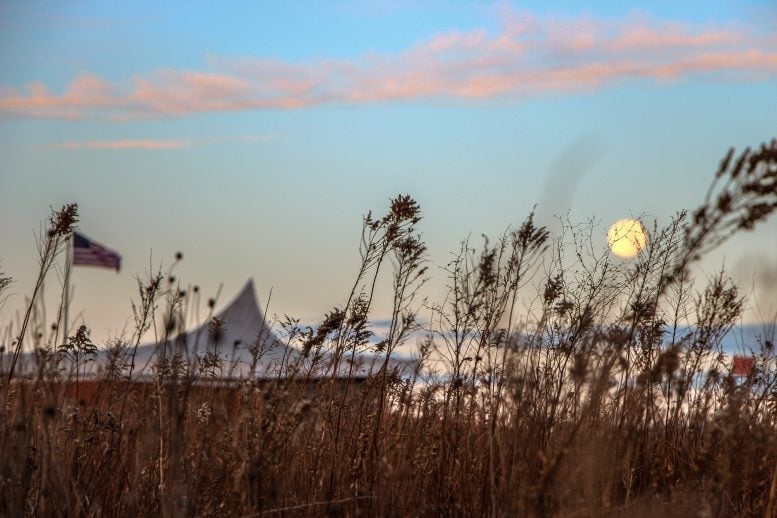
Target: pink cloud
x=174 y=92
x=151 y=144
x=125 y=144
x=527 y=56
x=457 y=40
x=641 y=37
x=85 y=92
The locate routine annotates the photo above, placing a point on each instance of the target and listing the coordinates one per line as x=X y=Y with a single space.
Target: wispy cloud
x=527 y=56
x=123 y=144
x=151 y=144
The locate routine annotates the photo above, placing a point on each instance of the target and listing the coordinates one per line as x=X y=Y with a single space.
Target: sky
x=253 y=136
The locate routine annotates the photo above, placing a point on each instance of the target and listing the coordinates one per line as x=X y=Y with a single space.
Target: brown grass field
x=609 y=395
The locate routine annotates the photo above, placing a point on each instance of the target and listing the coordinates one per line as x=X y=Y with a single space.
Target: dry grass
x=595 y=399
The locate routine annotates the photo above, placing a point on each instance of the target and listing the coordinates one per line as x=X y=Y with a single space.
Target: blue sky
x=253 y=137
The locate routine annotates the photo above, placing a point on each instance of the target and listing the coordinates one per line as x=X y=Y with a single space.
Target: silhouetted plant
x=60 y=231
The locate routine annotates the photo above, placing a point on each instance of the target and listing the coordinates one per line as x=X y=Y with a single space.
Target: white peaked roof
x=244 y=325
x=243 y=328
x=244 y=333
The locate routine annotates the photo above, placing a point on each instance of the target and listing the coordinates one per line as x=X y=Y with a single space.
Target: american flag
x=90 y=253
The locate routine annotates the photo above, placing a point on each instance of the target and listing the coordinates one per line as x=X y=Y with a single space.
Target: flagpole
x=66 y=304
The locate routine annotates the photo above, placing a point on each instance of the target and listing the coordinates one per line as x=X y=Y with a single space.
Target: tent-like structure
x=242 y=328
x=246 y=345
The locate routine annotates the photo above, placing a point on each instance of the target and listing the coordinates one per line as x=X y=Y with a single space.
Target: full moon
x=627 y=238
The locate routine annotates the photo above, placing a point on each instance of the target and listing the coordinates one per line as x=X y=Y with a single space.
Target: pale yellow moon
x=627 y=238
